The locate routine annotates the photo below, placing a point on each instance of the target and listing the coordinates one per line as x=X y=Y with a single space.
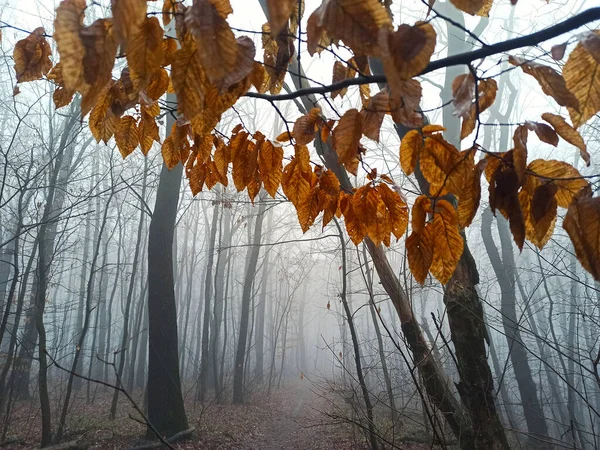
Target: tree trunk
x=165 y=402
x=251 y=262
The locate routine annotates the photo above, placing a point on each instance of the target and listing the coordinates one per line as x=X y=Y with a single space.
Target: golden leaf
x=306 y=126
x=148 y=133
x=188 y=79
x=539 y=213
x=346 y=138
x=297 y=182
x=419 y=252
x=356 y=22
x=279 y=13
x=222 y=158
x=410 y=150
x=102 y=121
x=397 y=208
x=170 y=153
x=373 y=114
x=202 y=147
x=438 y=159
x=582 y=75
x=474 y=7
x=566 y=177
x=244 y=158
x=168 y=9
x=407 y=51
x=197 y=176
x=224 y=59
x=448 y=243
x=67 y=26
x=270 y=166
x=128 y=17
x=329 y=194
x=126 y=135
x=277 y=55
x=582 y=223
x=355 y=228
x=551 y=82
x=568 y=133
x=145 y=53
x=32 y=56
x=470 y=196
x=405 y=98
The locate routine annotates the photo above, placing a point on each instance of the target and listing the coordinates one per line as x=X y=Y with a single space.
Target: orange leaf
x=551 y=82
x=410 y=150
x=474 y=7
x=568 y=133
x=419 y=252
x=270 y=160
x=406 y=52
x=398 y=211
x=148 y=133
x=128 y=17
x=244 y=158
x=373 y=114
x=170 y=153
x=188 y=79
x=305 y=127
x=357 y=23
x=32 y=56
x=145 y=53
x=346 y=137
x=565 y=176
x=582 y=223
x=279 y=13
x=448 y=243
x=438 y=160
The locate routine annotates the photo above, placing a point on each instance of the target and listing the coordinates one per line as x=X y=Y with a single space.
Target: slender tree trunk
x=132 y=279
x=251 y=262
x=205 y=363
x=504 y=270
x=86 y=322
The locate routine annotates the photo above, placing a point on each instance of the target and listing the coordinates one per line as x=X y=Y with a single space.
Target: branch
x=466 y=58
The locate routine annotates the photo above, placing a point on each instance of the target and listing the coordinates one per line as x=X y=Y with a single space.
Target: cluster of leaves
x=209 y=69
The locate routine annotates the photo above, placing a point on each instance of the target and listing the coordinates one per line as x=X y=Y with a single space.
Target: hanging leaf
x=280 y=12
x=148 y=133
x=244 y=158
x=32 y=56
x=544 y=132
x=128 y=17
x=405 y=100
x=582 y=76
x=346 y=138
x=438 y=160
x=306 y=126
x=448 y=243
x=341 y=71
x=373 y=113
x=145 y=53
x=474 y=7
x=357 y=23
x=551 y=82
x=406 y=52
x=419 y=252
x=270 y=160
x=568 y=133
x=188 y=79
x=397 y=209
x=568 y=179
x=582 y=223
x=410 y=150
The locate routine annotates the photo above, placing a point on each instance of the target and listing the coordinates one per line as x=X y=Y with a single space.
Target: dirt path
x=296 y=422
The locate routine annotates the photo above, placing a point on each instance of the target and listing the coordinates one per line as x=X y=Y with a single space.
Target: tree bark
x=165 y=402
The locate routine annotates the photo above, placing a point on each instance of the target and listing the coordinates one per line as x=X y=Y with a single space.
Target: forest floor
x=293 y=417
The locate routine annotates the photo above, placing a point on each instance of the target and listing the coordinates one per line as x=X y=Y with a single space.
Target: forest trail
x=296 y=421
x=291 y=418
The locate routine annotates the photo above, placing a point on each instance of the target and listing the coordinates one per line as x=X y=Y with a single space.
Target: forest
x=300 y=224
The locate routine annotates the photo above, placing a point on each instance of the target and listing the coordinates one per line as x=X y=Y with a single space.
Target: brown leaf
x=188 y=79
x=582 y=223
x=32 y=56
x=448 y=243
x=126 y=135
x=148 y=133
x=356 y=22
x=410 y=150
x=438 y=160
x=407 y=51
x=474 y=7
x=341 y=72
x=568 y=133
x=270 y=158
x=419 y=252
x=377 y=107
x=544 y=132
x=346 y=138
x=128 y=17
x=551 y=82
x=558 y=51
x=565 y=176
x=279 y=13
x=305 y=127
x=582 y=76
x=405 y=98
x=145 y=53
